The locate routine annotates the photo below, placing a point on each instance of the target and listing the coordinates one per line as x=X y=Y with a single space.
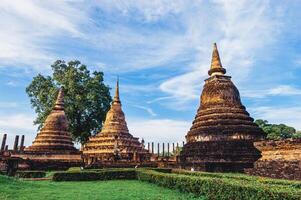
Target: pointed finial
x=116 y=97
x=59 y=103
x=216 y=65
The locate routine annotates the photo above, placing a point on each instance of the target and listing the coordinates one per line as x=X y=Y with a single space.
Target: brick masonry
x=280 y=159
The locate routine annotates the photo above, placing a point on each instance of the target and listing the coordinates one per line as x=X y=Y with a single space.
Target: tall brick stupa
x=53 y=147
x=114 y=144
x=222 y=133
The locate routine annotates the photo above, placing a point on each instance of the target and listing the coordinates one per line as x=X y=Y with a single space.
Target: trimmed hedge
x=218 y=188
x=209 y=185
x=163 y=170
x=95 y=175
x=30 y=174
x=241 y=177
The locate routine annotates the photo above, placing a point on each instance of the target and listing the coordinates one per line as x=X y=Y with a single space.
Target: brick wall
x=280 y=159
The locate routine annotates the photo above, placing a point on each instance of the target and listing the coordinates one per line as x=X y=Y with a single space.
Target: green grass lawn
x=115 y=189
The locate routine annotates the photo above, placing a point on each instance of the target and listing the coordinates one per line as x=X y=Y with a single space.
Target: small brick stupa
x=114 y=144
x=222 y=133
x=53 y=147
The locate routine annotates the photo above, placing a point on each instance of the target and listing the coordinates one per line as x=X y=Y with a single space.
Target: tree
x=87 y=98
x=277 y=131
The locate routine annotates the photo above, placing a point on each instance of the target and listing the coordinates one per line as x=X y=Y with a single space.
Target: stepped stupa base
x=120 y=164
x=219 y=156
x=49 y=161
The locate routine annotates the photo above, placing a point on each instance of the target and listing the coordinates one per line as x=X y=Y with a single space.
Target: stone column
x=158 y=150
x=173 y=147
x=3 y=142
x=148 y=147
x=152 y=147
x=22 y=142
x=167 y=149
x=163 y=148
x=16 y=143
x=183 y=143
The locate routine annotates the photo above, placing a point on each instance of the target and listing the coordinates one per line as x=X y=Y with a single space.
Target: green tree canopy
x=87 y=98
x=277 y=131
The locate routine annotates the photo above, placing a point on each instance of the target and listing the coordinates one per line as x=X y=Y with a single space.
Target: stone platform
x=280 y=159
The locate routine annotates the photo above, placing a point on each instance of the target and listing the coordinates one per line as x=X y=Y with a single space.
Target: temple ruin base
x=219 y=156
x=280 y=159
x=49 y=161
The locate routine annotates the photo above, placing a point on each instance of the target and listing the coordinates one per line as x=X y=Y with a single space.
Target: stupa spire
x=216 y=65
x=59 y=103
x=116 y=97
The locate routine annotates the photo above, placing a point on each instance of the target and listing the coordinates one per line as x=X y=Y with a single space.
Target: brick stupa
x=114 y=144
x=222 y=133
x=53 y=147
x=54 y=136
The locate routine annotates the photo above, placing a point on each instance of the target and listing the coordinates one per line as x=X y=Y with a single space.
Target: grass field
x=103 y=190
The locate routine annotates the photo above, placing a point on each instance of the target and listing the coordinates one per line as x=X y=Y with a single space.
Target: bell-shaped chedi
x=222 y=133
x=114 y=143
x=54 y=136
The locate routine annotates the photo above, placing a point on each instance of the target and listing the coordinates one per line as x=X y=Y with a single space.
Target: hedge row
x=210 y=185
x=95 y=175
x=218 y=188
x=30 y=174
x=242 y=177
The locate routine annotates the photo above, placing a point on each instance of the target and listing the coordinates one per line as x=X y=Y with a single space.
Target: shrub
x=218 y=188
x=163 y=170
x=30 y=174
x=241 y=177
x=95 y=175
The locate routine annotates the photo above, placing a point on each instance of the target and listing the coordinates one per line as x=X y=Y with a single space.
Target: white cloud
x=8 y=105
x=284 y=90
x=28 y=28
x=159 y=130
x=279 y=115
x=147 y=10
x=280 y=90
x=17 y=124
x=12 y=83
x=147 y=109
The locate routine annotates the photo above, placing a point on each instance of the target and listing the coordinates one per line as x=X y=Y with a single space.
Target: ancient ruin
x=114 y=144
x=53 y=146
x=222 y=133
x=280 y=159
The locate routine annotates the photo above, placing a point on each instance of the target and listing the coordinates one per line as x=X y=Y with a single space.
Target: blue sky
x=161 y=51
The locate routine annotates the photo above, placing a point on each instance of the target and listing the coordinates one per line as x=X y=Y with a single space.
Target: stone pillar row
x=164 y=148
x=16 y=146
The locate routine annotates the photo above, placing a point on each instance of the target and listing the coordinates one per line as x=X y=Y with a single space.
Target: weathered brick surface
x=280 y=159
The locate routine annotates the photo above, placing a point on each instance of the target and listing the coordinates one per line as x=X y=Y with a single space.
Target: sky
x=161 y=51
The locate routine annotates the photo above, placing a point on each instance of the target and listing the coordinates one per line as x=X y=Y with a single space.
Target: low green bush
x=30 y=174
x=219 y=188
x=241 y=177
x=128 y=174
x=163 y=170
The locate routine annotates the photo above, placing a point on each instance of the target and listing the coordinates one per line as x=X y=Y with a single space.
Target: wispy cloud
x=8 y=104
x=29 y=29
x=279 y=115
x=12 y=83
x=159 y=130
x=17 y=124
x=147 y=109
x=281 y=90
